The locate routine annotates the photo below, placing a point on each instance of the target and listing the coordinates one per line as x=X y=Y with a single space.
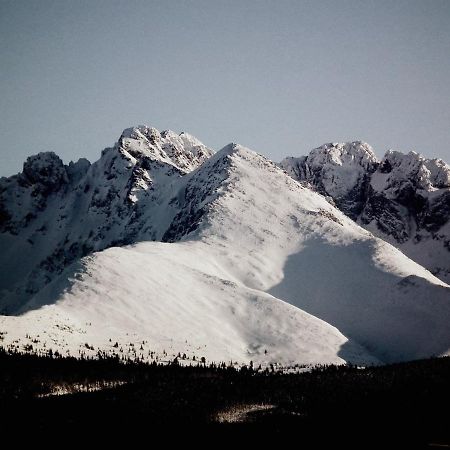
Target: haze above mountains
x=164 y=247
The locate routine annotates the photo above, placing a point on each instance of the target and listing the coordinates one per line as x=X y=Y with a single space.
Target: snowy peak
x=404 y=198
x=422 y=173
x=188 y=142
x=182 y=151
x=128 y=170
x=337 y=170
x=355 y=153
x=56 y=214
x=201 y=188
x=137 y=247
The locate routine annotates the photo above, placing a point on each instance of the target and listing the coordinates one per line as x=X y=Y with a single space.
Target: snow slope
x=55 y=214
x=154 y=293
x=268 y=230
x=404 y=198
x=242 y=240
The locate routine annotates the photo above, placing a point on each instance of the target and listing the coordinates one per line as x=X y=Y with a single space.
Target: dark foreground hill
x=395 y=406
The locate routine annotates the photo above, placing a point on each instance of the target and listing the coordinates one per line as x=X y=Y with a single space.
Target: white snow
x=429 y=174
x=60 y=213
x=148 y=293
x=260 y=269
x=404 y=198
x=340 y=165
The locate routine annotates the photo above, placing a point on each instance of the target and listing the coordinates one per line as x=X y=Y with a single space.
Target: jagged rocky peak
x=187 y=142
x=126 y=171
x=55 y=213
x=337 y=170
x=195 y=146
x=144 y=157
x=340 y=154
x=77 y=170
x=202 y=187
x=25 y=195
x=426 y=174
x=247 y=239
x=45 y=168
x=183 y=151
x=331 y=162
x=404 y=198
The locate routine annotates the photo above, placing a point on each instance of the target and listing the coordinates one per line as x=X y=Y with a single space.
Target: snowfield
x=148 y=293
x=252 y=267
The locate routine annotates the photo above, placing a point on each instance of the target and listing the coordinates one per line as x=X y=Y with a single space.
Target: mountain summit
x=141 y=253
x=52 y=214
x=404 y=198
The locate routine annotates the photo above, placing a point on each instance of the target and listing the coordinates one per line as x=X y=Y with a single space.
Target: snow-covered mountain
x=404 y=198
x=231 y=260
x=51 y=214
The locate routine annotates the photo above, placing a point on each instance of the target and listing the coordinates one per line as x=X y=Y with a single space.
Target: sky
x=280 y=77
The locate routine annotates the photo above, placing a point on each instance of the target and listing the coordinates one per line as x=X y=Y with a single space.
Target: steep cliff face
x=56 y=214
x=339 y=171
x=404 y=198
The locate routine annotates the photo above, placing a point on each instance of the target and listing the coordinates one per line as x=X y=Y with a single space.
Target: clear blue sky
x=280 y=77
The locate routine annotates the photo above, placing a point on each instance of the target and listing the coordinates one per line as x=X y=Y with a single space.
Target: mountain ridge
x=248 y=264
x=402 y=198
x=87 y=207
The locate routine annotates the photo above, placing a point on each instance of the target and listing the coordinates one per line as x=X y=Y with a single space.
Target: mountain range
x=404 y=198
x=164 y=249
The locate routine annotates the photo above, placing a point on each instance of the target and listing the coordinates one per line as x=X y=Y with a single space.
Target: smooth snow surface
x=151 y=292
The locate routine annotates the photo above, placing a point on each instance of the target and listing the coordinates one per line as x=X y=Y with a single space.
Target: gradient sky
x=280 y=77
